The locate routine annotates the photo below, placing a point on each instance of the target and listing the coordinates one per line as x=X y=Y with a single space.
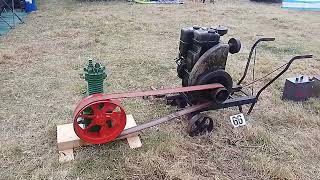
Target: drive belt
x=96 y=98
x=132 y=131
x=102 y=97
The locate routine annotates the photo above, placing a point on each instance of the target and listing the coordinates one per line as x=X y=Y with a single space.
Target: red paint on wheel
x=99 y=122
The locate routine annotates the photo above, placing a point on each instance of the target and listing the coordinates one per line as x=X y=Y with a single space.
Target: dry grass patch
x=40 y=62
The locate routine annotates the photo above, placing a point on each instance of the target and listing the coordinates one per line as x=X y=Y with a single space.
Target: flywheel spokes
x=99 y=122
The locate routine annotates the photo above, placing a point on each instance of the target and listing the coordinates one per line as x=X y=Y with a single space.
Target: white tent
x=301 y=4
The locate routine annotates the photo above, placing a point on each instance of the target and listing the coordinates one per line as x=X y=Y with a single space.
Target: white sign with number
x=238 y=120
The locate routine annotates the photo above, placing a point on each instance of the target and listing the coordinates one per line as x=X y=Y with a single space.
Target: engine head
x=202 y=59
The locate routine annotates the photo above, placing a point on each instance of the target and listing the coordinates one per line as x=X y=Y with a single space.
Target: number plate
x=238 y=120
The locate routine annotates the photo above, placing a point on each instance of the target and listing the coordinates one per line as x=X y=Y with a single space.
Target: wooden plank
x=66 y=155
x=67 y=138
x=134 y=141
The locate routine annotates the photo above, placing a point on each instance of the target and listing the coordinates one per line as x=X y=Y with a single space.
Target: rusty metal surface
x=188 y=110
x=162 y=91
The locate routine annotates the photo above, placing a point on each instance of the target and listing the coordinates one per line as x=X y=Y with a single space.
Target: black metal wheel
x=199 y=125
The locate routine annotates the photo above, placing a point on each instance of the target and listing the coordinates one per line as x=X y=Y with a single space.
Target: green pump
x=94 y=74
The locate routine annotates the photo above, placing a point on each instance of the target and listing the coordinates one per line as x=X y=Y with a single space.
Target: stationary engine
x=202 y=60
x=100 y=118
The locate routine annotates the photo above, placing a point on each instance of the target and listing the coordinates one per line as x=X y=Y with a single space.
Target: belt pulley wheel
x=211 y=77
x=100 y=121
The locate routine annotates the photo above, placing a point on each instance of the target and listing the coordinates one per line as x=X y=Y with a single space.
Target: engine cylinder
x=202 y=60
x=186 y=37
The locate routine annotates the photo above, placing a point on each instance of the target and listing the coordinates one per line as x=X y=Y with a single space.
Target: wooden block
x=66 y=155
x=67 y=138
x=134 y=141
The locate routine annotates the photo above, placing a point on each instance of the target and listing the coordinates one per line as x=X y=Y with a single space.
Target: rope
x=265 y=76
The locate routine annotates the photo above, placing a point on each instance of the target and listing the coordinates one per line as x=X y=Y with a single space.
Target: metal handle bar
x=277 y=76
x=250 y=55
x=267 y=39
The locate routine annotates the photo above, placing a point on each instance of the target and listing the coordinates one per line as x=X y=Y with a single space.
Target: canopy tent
x=159 y=1
x=301 y=4
x=9 y=16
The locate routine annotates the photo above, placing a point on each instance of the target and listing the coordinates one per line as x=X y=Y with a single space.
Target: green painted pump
x=94 y=74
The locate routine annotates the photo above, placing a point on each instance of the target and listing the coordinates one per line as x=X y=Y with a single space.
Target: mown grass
x=289 y=50
x=40 y=62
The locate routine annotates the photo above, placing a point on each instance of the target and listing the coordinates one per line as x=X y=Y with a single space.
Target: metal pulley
x=99 y=122
x=210 y=77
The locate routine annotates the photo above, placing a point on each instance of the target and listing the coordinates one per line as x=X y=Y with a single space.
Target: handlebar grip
x=267 y=39
x=300 y=57
x=304 y=56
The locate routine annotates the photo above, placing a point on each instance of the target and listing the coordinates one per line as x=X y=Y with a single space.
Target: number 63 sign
x=238 y=120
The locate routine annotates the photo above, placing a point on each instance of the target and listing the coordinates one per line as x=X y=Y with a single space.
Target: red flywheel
x=99 y=122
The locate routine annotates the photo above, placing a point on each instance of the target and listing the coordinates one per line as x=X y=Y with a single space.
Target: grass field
x=40 y=62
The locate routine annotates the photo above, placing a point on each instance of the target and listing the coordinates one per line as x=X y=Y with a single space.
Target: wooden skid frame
x=67 y=139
